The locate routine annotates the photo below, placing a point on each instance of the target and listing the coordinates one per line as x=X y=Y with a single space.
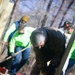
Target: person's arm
x=12 y=43
x=8 y=32
x=57 y=58
x=40 y=60
x=58 y=48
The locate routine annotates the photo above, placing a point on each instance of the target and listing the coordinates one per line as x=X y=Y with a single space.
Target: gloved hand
x=12 y=55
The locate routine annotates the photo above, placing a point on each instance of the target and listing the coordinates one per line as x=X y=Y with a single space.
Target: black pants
x=50 y=70
x=6 y=64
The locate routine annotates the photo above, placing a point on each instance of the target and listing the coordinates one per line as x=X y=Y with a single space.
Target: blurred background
x=40 y=12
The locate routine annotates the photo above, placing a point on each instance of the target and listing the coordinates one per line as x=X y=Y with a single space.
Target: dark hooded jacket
x=53 y=49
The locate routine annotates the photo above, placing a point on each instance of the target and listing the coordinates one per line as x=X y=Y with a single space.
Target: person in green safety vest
x=69 y=29
x=11 y=30
x=8 y=35
x=72 y=51
x=19 y=41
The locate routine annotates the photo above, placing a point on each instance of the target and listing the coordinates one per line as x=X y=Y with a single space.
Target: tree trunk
x=46 y=15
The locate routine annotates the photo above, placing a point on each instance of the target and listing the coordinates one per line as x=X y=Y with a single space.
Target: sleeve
x=58 y=48
x=57 y=58
x=12 y=43
x=9 y=31
x=40 y=60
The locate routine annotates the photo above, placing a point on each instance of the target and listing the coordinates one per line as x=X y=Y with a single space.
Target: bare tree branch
x=65 y=13
x=47 y=11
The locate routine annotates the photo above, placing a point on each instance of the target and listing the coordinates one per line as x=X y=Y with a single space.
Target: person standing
x=13 y=27
x=65 y=26
x=72 y=51
x=19 y=41
x=8 y=35
x=48 y=45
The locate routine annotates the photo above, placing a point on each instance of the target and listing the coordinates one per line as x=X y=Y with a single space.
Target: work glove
x=12 y=56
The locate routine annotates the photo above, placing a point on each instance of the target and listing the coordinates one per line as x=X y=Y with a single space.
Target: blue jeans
x=17 y=64
x=71 y=63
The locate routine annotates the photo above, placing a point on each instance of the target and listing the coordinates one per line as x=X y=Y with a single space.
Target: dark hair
x=67 y=22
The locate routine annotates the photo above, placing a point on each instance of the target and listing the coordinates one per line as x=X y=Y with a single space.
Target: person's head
x=38 y=38
x=21 y=29
x=24 y=20
x=70 y=29
x=66 y=25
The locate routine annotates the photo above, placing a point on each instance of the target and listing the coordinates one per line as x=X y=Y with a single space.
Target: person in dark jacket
x=48 y=45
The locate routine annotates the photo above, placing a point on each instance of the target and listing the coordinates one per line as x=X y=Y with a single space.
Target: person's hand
x=3 y=43
x=12 y=55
